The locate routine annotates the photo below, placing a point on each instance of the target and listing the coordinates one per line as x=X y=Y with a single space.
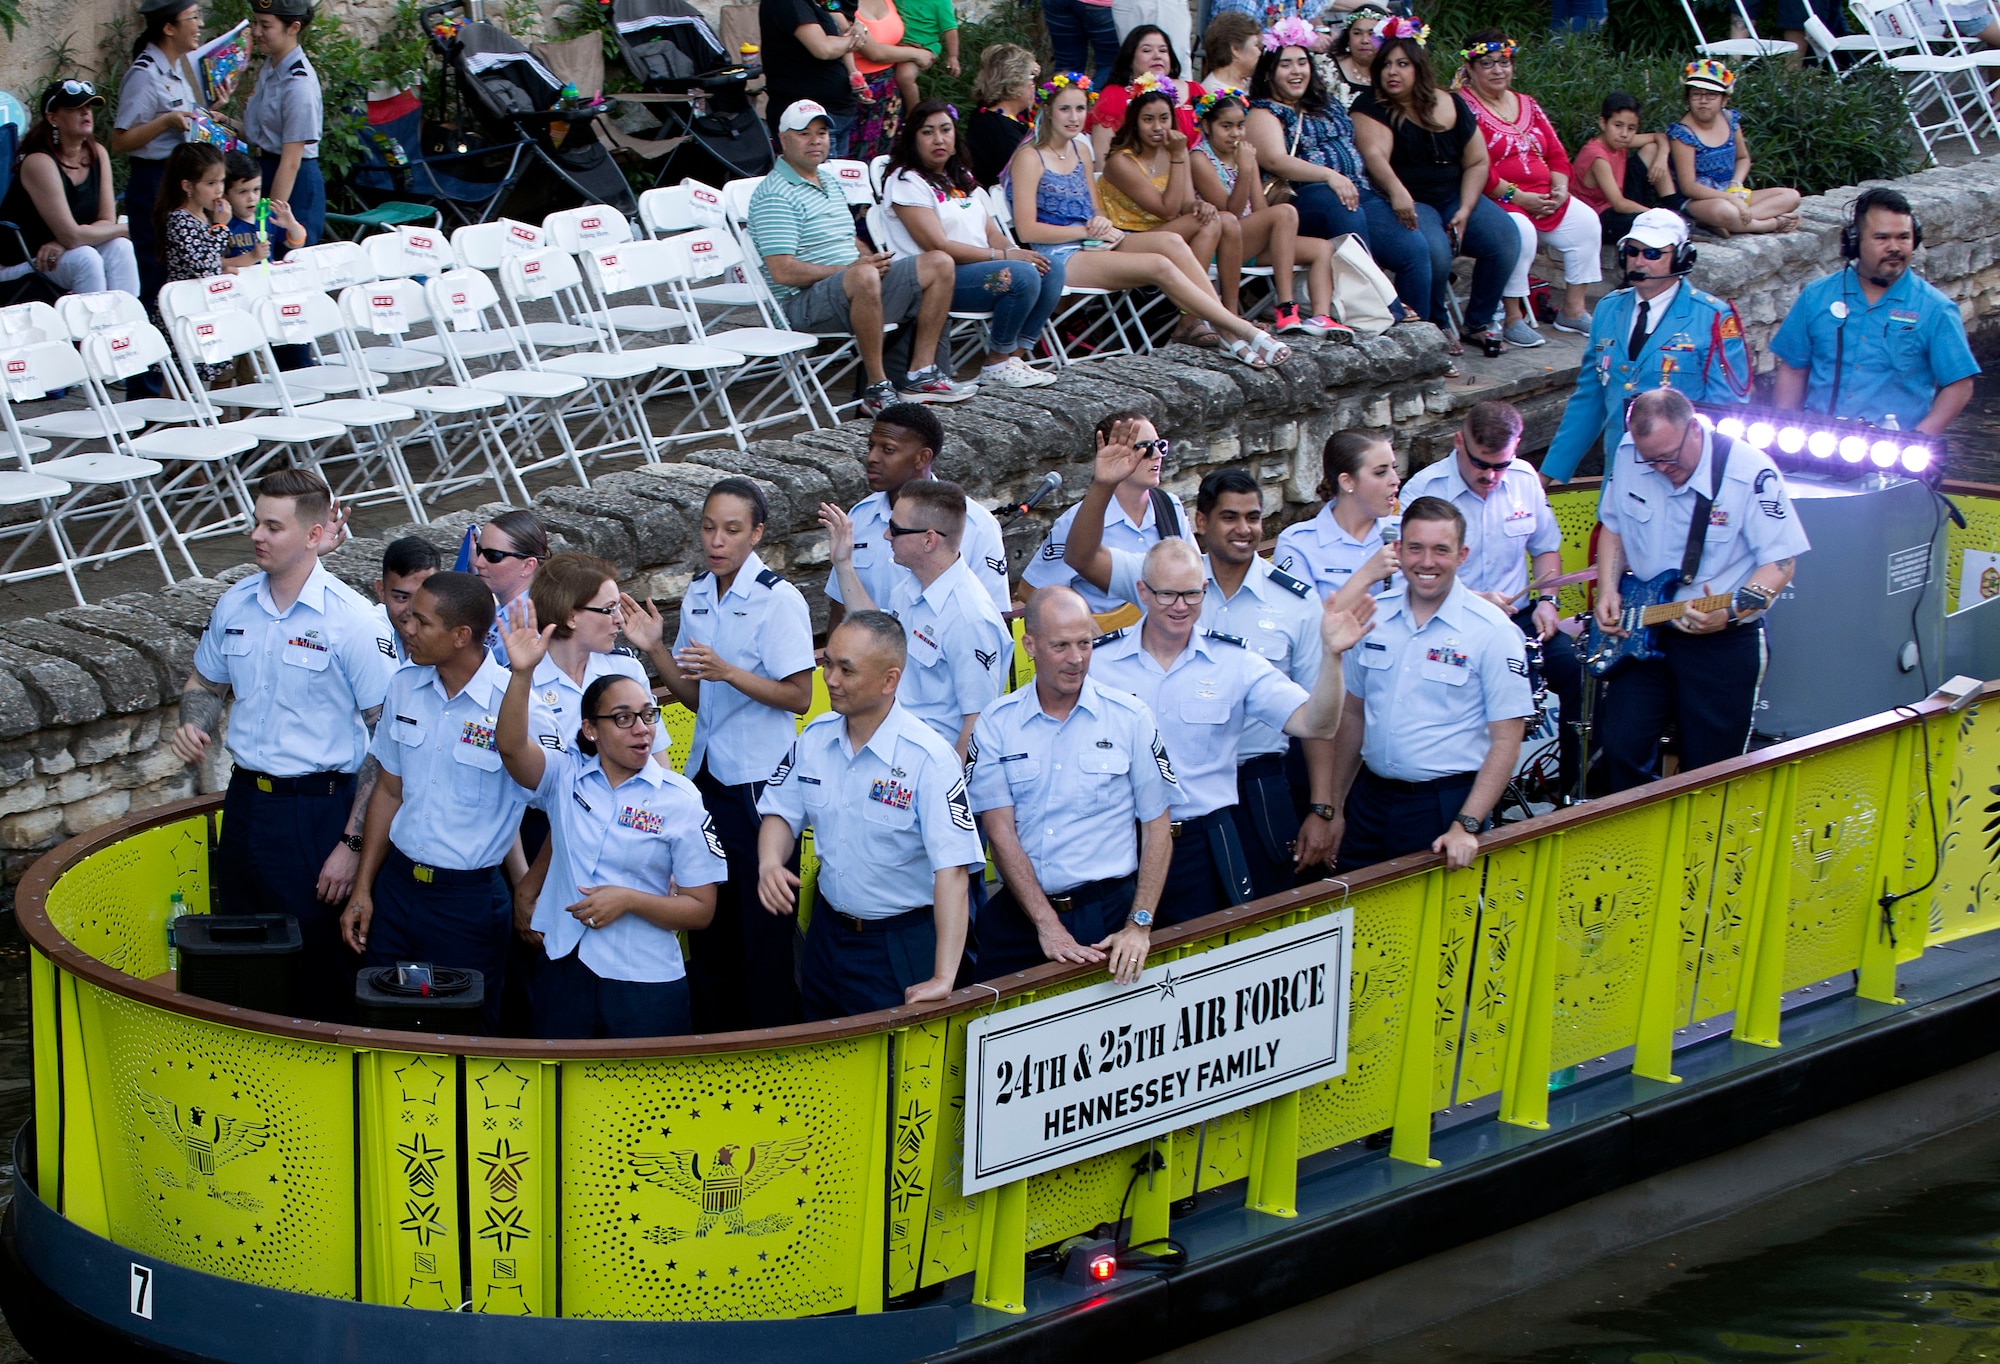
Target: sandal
x=1273 y=351
x=1200 y=335
x=1247 y=352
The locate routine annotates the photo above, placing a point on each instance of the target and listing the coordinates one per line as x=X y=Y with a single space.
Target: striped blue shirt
x=793 y=216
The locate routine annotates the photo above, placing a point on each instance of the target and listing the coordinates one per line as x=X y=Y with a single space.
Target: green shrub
x=1017 y=21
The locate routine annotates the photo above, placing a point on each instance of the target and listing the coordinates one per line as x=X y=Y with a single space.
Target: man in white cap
x=1661 y=332
x=828 y=282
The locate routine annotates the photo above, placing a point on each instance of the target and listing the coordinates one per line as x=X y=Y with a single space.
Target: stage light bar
x=1810 y=443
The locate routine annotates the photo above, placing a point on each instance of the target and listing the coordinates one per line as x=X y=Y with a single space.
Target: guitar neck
x=1672 y=610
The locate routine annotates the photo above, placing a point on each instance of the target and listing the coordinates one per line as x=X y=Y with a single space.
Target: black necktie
x=1638 y=330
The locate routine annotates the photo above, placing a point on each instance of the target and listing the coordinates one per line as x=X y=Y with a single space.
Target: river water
x=1896 y=1260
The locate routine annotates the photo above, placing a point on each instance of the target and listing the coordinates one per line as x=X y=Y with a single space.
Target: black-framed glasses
x=498 y=556
x=625 y=719
x=1628 y=250
x=600 y=610
x=1192 y=597
x=1157 y=447
x=896 y=530
x=1671 y=457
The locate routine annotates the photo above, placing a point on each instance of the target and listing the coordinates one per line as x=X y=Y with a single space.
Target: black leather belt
x=1065 y=903
x=436 y=876
x=311 y=784
x=1411 y=787
x=1263 y=765
x=883 y=925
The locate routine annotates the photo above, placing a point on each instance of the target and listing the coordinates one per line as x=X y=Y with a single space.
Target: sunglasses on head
x=1649 y=252
x=498 y=556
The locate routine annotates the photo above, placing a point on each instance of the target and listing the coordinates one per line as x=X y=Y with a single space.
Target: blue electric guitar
x=1641 y=607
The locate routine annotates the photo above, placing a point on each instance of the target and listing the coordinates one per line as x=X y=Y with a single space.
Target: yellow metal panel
x=227 y=1151
x=1837 y=818
x=44 y=1002
x=1576 y=513
x=1458 y=932
x=679 y=721
x=1386 y=920
x=1024 y=667
x=950 y=1240
x=1982 y=531
x=1705 y=806
x=1495 y=975
x=114 y=904
x=509 y=1155
x=1738 y=839
x=710 y=1188
x=410 y=1156
x=1606 y=890
x=917 y=1111
x=1967 y=898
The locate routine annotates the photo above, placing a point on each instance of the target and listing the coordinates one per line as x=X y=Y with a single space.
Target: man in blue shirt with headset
x=1873 y=341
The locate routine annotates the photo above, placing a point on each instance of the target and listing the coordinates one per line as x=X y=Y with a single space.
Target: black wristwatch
x=352 y=840
x=1470 y=824
x=1323 y=811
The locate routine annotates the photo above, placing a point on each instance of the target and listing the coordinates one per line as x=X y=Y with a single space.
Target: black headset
x=1683 y=261
x=1850 y=231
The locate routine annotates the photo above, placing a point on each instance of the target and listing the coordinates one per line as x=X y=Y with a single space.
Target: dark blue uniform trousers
x=1387 y=818
x=742 y=968
x=1267 y=823
x=1209 y=870
x=268 y=862
x=856 y=966
x=446 y=918
x=574 y=1002
x=1707 y=682
x=1092 y=912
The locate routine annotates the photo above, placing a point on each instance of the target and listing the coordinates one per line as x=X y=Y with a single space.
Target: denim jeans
x=1073 y=26
x=1019 y=296
x=1402 y=253
x=1489 y=239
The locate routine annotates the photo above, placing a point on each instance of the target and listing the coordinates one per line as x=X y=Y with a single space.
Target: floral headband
x=1065 y=80
x=1396 y=26
x=1709 y=72
x=1289 y=33
x=1502 y=48
x=1216 y=97
x=1153 y=80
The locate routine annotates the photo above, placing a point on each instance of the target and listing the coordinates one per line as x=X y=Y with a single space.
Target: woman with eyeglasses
x=576 y=598
x=743 y=663
x=1140 y=515
x=63 y=201
x=633 y=856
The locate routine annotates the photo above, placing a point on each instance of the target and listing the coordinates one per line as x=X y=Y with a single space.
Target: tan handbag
x=1362 y=294
x=1278 y=190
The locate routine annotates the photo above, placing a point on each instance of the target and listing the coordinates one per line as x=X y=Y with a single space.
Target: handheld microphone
x=1050 y=482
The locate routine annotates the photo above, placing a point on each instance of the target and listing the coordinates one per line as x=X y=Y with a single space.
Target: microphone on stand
x=1050 y=482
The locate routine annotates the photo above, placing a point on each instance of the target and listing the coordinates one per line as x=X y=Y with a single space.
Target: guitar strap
x=1719 y=446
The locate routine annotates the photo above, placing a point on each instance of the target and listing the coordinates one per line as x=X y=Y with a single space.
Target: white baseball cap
x=1660 y=228
x=799 y=114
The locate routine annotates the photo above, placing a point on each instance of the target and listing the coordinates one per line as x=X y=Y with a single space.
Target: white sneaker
x=1014 y=372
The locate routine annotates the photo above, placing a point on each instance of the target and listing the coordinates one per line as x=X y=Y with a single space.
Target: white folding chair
x=617 y=378
x=484 y=246
x=112 y=494
x=694 y=370
x=340 y=265
x=688 y=207
x=83 y=314
x=1119 y=317
x=1858 y=49
x=863 y=189
x=878 y=172
x=464 y=302
x=1743 y=49
x=596 y=227
x=456 y=420
x=33 y=324
x=713 y=253
x=1927 y=78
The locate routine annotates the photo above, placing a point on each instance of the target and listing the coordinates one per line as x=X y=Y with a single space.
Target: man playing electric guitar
x=1711 y=516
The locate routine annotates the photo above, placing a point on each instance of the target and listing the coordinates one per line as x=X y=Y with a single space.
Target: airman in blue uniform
x=1137 y=517
x=885 y=798
x=1662 y=332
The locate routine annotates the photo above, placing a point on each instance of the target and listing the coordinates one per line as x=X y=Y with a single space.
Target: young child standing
x=243 y=186
x=933 y=26
x=1608 y=177
x=191 y=218
x=1712 y=160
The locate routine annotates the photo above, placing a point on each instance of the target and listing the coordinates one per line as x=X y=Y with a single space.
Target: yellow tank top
x=1125 y=215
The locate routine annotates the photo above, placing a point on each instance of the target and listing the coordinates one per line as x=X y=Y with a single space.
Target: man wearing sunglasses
x=1661 y=332
x=1138 y=516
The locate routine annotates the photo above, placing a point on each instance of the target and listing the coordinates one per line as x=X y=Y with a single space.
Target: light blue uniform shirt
x=980 y=546
x=1431 y=692
x=153 y=86
x=1047 y=568
x=1501 y=529
x=1078 y=786
x=285 y=106
x=563 y=696
x=1898 y=351
x=763 y=626
x=1201 y=703
x=1752 y=520
x=399 y=649
x=647 y=834
x=1273 y=613
x=301 y=678
x=959 y=649
x=884 y=820
x=460 y=808
x=1321 y=553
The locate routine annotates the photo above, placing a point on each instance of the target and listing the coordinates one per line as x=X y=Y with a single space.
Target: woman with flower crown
x=1057 y=212
x=1712 y=161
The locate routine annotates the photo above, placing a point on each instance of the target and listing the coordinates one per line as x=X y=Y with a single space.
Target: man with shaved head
x=1203 y=685
x=1073 y=783
x=885 y=796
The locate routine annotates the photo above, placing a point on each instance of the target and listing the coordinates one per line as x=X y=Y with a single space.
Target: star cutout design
x=422 y=1220
x=501 y=1087
x=725 y=1105
x=1167 y=984
x=673 y=1264
x=420 y=1081
x=503 y=1226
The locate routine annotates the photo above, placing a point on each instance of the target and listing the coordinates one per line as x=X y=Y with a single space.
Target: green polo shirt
x=793 y=216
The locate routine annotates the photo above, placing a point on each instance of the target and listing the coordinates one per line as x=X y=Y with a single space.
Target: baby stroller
x=516 y=99
x=670 y=50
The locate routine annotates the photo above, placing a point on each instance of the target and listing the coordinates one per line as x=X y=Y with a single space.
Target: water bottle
x=1889 y=422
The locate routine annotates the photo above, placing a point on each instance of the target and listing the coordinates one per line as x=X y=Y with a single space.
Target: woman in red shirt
x=1146 y=49
x=1528 y=175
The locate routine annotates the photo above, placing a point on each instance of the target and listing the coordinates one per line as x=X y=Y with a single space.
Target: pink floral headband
x=1290 y=32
